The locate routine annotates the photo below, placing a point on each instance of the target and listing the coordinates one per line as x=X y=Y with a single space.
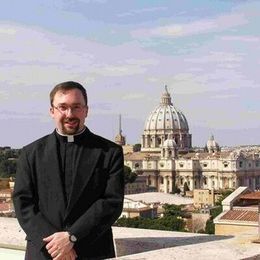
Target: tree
x=172 y=210
x=7 y=168
x=224 y=194
x=171 y=223
x=130 y=176
x=210 y=227
x=137 y=147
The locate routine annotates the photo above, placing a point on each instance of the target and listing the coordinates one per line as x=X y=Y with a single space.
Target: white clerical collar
x=70 y=138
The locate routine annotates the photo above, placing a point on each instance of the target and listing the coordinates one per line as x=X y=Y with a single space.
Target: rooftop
x=148 y=244
x=159 y=197
x=241 y=215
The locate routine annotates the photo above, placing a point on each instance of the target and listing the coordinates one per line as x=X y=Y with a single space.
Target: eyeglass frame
x=71 y=108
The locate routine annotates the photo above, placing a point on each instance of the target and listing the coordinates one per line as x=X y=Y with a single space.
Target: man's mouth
x=71 y=123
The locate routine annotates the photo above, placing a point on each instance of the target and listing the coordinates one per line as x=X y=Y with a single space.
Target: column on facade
x=162 y=139
x=146 y=143
x=230 y=183
x=170 y=183
x=148 y=181
x=253 y=183
x=153 y=141
x=217 y=182
x=221 y=184
x=165 y=184
x=153 y=181
x=191 y=186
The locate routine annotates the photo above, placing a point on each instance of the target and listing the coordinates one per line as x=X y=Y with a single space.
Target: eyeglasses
x=64 y=109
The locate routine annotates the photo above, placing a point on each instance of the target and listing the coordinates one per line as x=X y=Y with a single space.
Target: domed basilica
x=167 y=161
x=165 y=122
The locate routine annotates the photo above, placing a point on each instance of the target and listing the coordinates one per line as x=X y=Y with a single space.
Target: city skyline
x=207 y=53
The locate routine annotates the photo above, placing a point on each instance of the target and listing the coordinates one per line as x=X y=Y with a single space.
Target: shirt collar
x=70 y=138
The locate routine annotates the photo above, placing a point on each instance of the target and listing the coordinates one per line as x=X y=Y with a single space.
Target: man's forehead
x=61 y=94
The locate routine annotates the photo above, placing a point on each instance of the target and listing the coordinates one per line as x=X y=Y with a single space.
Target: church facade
x=168 y=161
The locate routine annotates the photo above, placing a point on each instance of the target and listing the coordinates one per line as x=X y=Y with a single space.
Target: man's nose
x=69 y=111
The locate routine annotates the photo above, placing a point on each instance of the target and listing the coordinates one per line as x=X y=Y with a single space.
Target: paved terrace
x=141 y=244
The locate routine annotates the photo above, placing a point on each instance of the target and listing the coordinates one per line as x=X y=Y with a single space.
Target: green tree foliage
x=8 y=160
x=172 y=220
x=171 y=223
x=137 y=147
x=210 y=226
x=7 y=168
x=224 y=194
x=130 y=176
x=172 y=210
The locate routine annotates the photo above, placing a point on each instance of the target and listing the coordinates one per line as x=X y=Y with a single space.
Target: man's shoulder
x=37 y=143
x=103 y=142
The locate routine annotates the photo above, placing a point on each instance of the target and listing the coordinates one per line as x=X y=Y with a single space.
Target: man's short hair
x=68 y=85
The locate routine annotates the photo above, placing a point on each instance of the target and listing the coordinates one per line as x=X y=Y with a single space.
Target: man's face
x=69 y=111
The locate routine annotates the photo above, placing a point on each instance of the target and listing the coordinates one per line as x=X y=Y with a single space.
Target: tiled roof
x=4 y=207
x=141 y=156
x=241 y=215
x=251 y=196
x=134 y=156
x=6 y=191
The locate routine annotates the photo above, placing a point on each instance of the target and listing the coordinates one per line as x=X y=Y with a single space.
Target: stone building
x=168 y=162
x=240 y=214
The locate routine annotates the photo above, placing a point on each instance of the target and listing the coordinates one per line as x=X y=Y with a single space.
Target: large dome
x=163 y=121
x=166 y=116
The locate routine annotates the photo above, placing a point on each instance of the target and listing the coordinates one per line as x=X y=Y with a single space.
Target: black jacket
x=95 y=203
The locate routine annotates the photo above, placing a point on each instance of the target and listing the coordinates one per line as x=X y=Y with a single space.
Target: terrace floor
x=141 y=244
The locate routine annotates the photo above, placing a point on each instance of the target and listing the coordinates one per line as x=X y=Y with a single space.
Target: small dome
x=169 y=143
x=212 y=145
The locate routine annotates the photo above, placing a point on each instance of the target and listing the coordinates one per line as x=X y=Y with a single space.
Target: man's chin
x=70 y=131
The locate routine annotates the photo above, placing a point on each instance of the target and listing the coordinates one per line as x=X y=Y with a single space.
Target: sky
x=124 y=52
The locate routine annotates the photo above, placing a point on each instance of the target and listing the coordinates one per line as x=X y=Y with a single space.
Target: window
x=161 y=180
x=240 y=164
x=181 y=165
x=225 y=164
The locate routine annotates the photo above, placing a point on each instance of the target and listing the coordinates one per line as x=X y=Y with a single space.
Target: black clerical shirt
x=68 y=153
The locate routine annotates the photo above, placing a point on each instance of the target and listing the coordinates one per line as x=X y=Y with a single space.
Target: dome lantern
x=166 y=97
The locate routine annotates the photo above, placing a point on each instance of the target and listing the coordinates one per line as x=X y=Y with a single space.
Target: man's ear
x=51 y=112
x=86 y=112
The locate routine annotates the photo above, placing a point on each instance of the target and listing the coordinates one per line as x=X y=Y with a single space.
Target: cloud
x=141 y=11
x=219 y=57
x=239 y=39
x=203 y=26
x=30 y=54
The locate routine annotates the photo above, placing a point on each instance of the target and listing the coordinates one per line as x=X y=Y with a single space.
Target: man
x=69 y=185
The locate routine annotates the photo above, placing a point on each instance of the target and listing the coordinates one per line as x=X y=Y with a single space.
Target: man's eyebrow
x=63 y=103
